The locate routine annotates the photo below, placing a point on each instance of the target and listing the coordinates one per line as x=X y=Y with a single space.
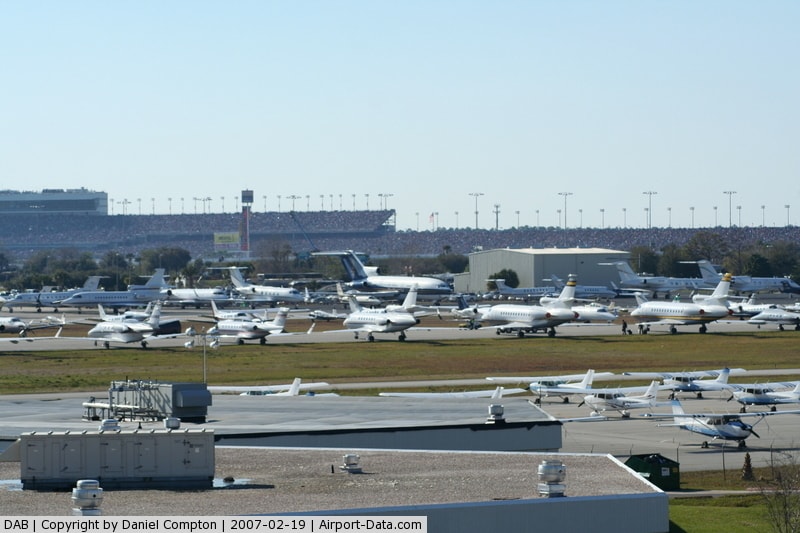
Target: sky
x=538 y=113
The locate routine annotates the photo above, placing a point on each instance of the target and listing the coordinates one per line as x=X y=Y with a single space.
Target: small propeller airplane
x=292 y=389
x=693 y=381
x=562 y=386
x=717 y=426
x=621 y=399
x=771 y=394
x=494 y=394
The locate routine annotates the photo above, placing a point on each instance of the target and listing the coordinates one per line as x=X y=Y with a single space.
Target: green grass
x=81 y=370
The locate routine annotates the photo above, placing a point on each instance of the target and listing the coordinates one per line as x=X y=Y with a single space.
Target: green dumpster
x=662 y=472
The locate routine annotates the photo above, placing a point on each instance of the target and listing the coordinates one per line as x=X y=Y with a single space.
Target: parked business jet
x=585 y=313
x=523 y=293
x=628 y=279
x=371 y=321
x=263 y=293
x=243 y=330
x=369 y=278
x=747 y=284
x=47 y=297
x=585 y=292
x=136 y=331
x=717 y=426
x=194 y=297
x=780 y=317
x=135 y=296
x=674 y=314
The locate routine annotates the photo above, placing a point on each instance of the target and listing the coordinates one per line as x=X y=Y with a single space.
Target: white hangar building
x=534 y=265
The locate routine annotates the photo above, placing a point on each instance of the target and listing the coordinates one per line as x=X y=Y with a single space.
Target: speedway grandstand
x=78 y=219
x=371 y=232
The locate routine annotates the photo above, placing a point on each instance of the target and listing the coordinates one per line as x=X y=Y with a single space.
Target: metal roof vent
x=350 y=464
x=551 y=479
x=172 y=423
x=87 y=497
x=109 y=424
x=495 y=414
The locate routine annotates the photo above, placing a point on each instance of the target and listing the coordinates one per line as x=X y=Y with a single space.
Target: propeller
x=754 y=432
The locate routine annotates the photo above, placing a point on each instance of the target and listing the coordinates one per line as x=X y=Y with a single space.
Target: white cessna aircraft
x=673 y=314
x=621 y=399
x=369 y=278
x=562 y=386
x=292 y=389
x=693 y=381
x=771 y=394
x=717 y=426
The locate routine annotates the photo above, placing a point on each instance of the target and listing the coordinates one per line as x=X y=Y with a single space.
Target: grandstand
x=55 y=201
x=27 y=230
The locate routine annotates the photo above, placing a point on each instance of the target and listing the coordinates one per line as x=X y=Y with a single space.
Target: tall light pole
x=559 y=217
x=537 y=218
x=787 y=214
x=730 y=212
x=649 y=207
x=763 y=215
x=624 y=217
x=669 y=217
x=476 y=195
x=456 y=219
x=739 y=210
x=565 y=195
x=602 y=218
x=715 y=216
x=692 y=210
x=517 y=212
x=496 y=217
x=170 y=205
x=293 y=197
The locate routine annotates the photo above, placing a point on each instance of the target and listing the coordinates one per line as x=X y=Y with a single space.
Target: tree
x=643 y=259
x=707 y=245
x=782 y=495
x=510 y=276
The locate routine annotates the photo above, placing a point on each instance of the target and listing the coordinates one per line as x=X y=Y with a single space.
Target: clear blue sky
x=426 y=101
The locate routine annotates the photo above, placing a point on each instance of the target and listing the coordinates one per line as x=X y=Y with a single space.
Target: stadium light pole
x=730 y=210
x=476 y=195
x=456 y=219
x=139 y=201
x=169 y=200
x=715 y=216
x=602 y=218
x=739 y=210
x=279 y=203
x=624 y=217
x=565 y=195
x=692 y=210
x=763 y=216
x=265 y=203
x=182 y=205
x=222 y=199
x=650 y=208
x=787 y=214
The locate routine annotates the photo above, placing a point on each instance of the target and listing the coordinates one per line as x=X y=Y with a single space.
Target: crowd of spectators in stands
x=366 y=231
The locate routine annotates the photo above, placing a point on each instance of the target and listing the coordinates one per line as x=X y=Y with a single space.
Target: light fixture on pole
x=565 y=194
x=476 y=195
x=730 y=212
x=650 y=207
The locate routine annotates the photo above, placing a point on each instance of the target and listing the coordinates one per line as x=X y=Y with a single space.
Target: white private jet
x=593 y=312
x=244 y=330
x=778 y=316
x=136 y=331
x=717 y=426
x=371 y=321
x=693 y=381
x=629 y=279
x=263 y=293
x=747 y=284
x=47 y=297
x=673 y=314
x=370 y=279
x=135 y=296
x=523 y=293
x=194 y=297
x=510 y=318
x=292 y=389
x=585 y=292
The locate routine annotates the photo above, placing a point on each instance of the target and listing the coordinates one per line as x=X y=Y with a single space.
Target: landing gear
x=673 y=330
x=144 y=344
x=239 y=341
x=704 y=444
x=401 y=337
x=703 y=328
x=263 y=341
x=107 y=345
x=371 y=337
x=742 y=445
x=625 y=414
x=520 y=334
x=551 y=332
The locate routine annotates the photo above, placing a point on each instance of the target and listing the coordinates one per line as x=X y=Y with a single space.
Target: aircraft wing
x=694 y=375
x=265 y=389
x=21 y=340
x=499 y=392
x=540 y=379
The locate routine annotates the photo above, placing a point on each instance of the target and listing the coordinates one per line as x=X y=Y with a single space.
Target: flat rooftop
x=289 y=480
